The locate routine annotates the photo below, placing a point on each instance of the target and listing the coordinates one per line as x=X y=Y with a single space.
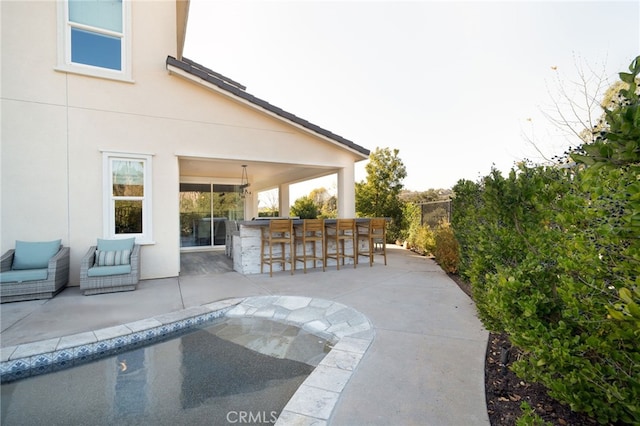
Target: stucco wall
x=56 y=125
x=34 y=198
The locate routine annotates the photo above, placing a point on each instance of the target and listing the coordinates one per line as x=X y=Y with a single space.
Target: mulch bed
x=505 y=391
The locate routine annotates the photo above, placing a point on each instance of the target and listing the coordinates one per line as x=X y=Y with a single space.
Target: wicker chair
x=14 y=288
x=96 y=279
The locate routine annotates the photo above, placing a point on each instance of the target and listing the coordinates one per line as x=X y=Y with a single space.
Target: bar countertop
x=264 y=221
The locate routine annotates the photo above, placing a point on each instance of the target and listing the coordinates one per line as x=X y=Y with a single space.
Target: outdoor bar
x=247 y=243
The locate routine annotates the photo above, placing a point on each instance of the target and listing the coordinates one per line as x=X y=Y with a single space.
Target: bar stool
x=343 y=230
x=279 y=232
x=312 y=231
x=375 y=232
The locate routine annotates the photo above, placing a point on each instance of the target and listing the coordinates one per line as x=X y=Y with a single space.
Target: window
x=204 y=209
x=93 y=38
x=127 y=193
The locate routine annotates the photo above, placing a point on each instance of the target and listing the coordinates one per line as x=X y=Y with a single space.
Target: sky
x=456 y=87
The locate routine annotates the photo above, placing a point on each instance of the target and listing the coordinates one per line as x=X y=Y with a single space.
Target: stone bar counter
x=246 y=246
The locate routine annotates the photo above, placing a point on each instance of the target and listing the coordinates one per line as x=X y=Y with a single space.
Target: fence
x=434 y=211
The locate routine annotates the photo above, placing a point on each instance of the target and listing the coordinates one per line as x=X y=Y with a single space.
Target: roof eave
x=236 y=92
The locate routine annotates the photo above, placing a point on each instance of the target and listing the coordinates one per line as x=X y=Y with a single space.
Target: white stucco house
x=108 y=132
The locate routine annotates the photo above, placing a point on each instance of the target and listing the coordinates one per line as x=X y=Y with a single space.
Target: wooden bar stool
x=279 y=232
x=311 y=231
x=343 y=230
x=374 y=233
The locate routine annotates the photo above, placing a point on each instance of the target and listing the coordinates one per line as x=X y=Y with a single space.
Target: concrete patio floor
x=425 y=365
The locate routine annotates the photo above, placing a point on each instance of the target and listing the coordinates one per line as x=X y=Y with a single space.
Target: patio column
x=346 y=192
x=283 y=201
x=251 y=206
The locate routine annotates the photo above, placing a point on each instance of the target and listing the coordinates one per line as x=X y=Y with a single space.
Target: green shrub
x=425 y=240
x=464 y=214
x=553 y=256
x=420 y=238
x=411 y=213
x=548 y=258
x=304 y=208
x=530 y=417
x=446 y=250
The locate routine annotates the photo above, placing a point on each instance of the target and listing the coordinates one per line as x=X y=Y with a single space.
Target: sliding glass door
x=204 y=208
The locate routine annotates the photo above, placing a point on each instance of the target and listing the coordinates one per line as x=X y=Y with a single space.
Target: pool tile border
x=30 y=359
x=352 y=333
x=312 y=404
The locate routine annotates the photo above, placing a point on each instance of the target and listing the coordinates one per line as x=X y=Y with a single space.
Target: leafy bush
x=530 y=417
x=304 y=208
x=464 y=214
x=420 y=238
x=553 y=256
x=411 y=214
x=441 y=242
x=446 y=250
x=425 y=240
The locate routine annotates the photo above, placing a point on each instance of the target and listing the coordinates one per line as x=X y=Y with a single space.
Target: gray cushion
x=34 y=255
x=23 y=275
x=105 y=271
x=112 y=258
x=117 y=244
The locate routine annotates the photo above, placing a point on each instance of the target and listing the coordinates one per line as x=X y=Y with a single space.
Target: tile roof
x=238 y=90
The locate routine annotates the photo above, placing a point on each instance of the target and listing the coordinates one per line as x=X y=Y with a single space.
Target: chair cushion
x=34 y=255
x=23 y=275
x=113 y=258
x=105 y=271
x=117 y=244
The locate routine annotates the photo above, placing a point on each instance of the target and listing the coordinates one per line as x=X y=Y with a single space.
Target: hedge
x=553 y=255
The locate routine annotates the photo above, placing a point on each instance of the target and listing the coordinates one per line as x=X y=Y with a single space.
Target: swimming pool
x=237 y=368
x=315 y=398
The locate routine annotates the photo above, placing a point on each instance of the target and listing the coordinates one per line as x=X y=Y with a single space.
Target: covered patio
x=264 y=176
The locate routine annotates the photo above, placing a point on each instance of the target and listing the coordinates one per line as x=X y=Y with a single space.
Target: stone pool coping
x=313 y=402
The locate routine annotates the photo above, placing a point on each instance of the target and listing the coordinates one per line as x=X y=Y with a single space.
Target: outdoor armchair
x=33 y=270
x=110 y=266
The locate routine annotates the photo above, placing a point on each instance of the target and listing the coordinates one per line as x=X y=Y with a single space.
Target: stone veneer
x=246 y=250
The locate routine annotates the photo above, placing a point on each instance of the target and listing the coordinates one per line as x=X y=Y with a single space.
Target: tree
x=319 y=195
x=304 y=208
x=576 y=109
x=616 y=140
x=326 y=203
x=270 y=199
x=329 y=208
x=425 y=196
x=379 y=195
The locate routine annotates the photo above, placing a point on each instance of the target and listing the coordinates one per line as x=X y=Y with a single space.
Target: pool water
x=236 y=371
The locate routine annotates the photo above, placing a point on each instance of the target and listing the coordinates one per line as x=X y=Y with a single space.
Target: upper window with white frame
x=94 y=38
x=127 y=192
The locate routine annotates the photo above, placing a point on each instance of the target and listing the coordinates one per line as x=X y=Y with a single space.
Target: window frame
x=109 y=225
x=64 y=46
